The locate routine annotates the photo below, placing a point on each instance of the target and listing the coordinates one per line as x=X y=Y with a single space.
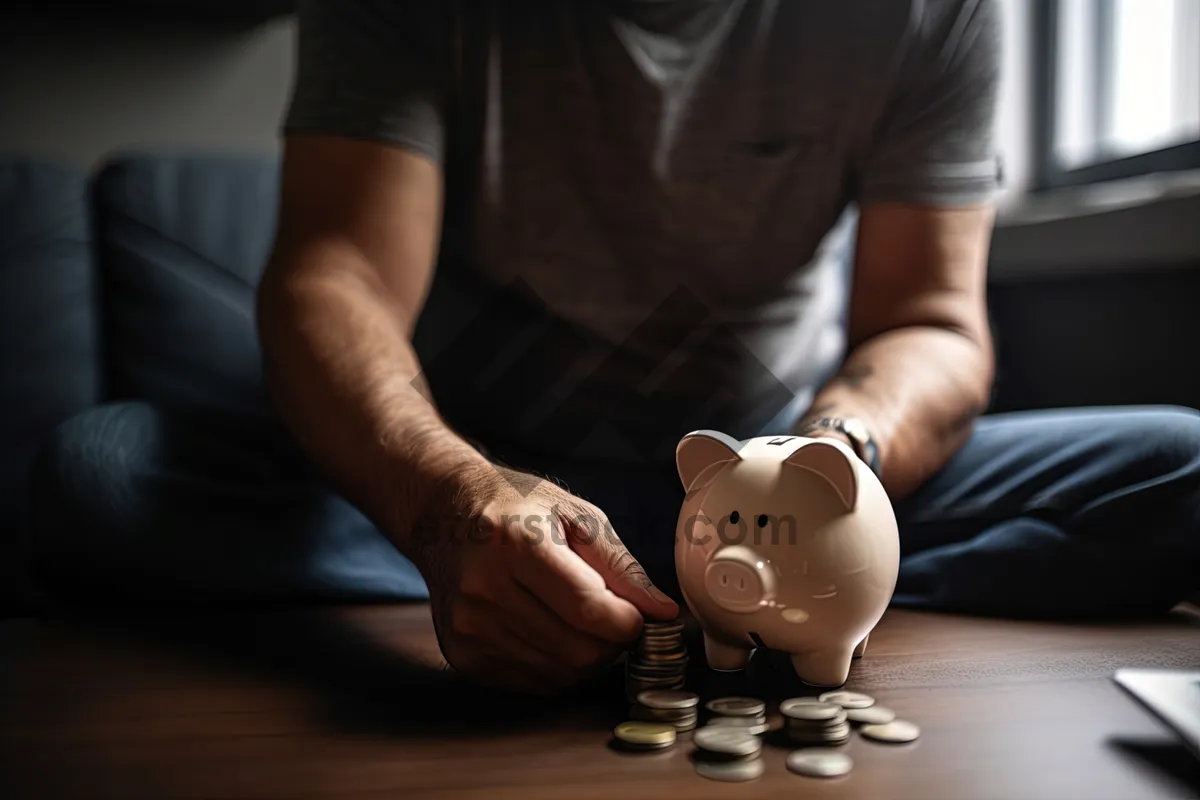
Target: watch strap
x=861 y=441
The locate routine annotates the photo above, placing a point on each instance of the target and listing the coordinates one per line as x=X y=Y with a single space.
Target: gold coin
x=644 y=733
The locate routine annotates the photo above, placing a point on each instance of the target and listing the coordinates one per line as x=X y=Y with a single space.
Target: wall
x=77 y=89
x=81 y=87
x=1016 y=100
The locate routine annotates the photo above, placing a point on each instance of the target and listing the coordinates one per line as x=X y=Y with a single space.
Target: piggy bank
x=784 y=542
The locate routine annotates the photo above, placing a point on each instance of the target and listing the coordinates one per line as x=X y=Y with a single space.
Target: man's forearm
x=919 y=390
x=346 y=382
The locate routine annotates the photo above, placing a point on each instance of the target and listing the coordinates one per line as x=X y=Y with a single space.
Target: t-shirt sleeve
x=372 y=69
x=936 y=142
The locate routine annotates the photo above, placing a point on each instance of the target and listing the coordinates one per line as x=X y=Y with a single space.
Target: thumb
x=593 y=538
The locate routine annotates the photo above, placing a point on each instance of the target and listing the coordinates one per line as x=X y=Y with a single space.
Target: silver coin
x=819 y=763
x=757 y=729
x=727 y=741
x=839 y=738
x=848 y=699
x=668 y=700
x=806 y=710
x=731 y=771
x=840 y=729
x=816 y=724
x=871 y=715
x=673 y=716
x=759 y=719
x=737 y=707
x=821 y=741
x=897 y=731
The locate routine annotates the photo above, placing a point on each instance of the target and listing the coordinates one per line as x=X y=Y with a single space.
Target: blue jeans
x=1080 y=513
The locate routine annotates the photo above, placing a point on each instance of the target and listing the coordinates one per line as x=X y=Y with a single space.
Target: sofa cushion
x=182 y=243
x=49 y=353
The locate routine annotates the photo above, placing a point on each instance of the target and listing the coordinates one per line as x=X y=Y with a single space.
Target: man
x=523 y=250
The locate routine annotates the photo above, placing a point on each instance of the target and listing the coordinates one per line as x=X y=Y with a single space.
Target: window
x=1118 y=89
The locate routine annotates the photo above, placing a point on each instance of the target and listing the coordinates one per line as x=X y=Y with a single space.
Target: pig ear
x=834 y=462
x=700 y=455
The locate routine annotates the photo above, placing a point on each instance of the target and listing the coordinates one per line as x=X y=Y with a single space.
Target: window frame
x=1048 y=173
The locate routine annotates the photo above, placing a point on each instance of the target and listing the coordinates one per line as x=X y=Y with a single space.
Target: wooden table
x=350 y=703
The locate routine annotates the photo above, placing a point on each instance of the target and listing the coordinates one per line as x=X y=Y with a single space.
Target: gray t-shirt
x=651 y=203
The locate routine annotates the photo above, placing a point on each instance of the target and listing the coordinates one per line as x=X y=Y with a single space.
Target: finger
x=593 y=538
x=574 y=591
x=574 y=652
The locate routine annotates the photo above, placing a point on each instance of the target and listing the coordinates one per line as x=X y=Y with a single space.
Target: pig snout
x=739 y=580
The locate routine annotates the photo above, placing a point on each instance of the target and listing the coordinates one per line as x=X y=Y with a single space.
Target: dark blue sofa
x=136 y=281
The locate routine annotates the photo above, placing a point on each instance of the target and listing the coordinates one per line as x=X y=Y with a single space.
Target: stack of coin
x=644 y=736
x=658 y=661
x=813 y=723
x=875 y=721
x=672 y=707
x=848 y=700
x=744 y=713
x=727 y=754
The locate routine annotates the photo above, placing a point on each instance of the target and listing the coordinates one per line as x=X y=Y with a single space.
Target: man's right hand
x=532 y=591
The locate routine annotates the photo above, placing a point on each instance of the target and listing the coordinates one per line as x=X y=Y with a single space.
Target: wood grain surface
x=353 y=703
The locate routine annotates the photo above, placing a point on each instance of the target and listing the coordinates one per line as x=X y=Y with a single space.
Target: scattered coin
x=871 y=715
x=819 y=763
x=731 y=771
x=897 y=731
x=723 y=741
x=668 y=699
x=804 y=709
x=848 y=699
x=811 y=723
x=647 y=735
x=737 y=707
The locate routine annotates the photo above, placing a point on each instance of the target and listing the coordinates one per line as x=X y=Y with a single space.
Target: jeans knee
x=1170 y=436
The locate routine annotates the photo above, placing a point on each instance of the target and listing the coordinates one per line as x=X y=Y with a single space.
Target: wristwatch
x=854 y=429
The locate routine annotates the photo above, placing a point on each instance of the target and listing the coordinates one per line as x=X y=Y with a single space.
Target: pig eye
x=733 y=518
x=762 y=520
